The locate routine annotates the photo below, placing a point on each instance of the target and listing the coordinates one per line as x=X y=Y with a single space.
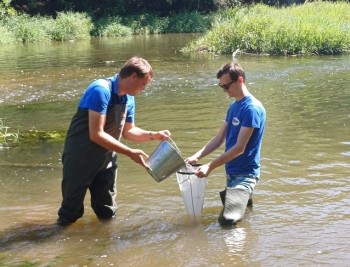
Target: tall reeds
x=185 y=22
x=26 y=29
x=313 y=28
x=74 y=26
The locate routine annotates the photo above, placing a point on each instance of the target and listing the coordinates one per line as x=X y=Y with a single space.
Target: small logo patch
x=235 y=121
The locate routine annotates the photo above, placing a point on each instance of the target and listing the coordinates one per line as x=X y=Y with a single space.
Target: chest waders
x=86 y=165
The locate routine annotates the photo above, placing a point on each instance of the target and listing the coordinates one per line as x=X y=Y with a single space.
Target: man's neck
x=242 y=93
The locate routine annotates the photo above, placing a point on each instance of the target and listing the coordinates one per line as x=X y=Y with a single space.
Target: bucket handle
x=189 y=167
x=178 y=150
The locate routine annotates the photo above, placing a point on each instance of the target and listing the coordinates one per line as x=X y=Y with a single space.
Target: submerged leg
x=223 y=194
x=235 y=204
x=103 y=194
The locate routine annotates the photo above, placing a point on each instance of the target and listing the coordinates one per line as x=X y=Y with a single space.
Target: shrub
x=111 y=27
x=146 y=24
x=188 y=23
x=6 y=36
x=315 y=28
x=71 y=26
x=28 y=29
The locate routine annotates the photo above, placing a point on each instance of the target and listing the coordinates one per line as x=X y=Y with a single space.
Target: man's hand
x=203 y=171
x=137 y=156
x=192 y=160
x=162 y=135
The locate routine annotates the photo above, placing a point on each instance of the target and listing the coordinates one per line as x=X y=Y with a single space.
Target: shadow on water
x=27 y=233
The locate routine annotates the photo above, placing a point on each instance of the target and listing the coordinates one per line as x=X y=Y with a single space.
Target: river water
x=301 y=211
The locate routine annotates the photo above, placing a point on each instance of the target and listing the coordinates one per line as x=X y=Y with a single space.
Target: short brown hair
x=138 y=65
x=234 y=69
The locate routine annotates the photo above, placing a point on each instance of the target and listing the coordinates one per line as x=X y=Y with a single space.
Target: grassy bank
x=314 y=28
x=76 y=26
x=26 y=29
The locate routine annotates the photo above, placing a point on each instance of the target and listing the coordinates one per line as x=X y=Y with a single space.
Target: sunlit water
x=301 y=213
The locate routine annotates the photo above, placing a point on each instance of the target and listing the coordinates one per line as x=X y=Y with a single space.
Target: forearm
x=136 y=134
x=238 y=149
x=232 y=153
x=109 y=142
x=212 y=145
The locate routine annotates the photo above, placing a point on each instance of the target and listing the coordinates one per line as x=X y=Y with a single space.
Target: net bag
x=192 y=189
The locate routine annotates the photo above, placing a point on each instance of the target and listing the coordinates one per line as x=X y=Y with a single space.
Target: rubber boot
x=236 y=201
x=223 y=194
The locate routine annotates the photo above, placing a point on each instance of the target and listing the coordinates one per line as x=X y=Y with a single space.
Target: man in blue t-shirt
x=105 y=113
x=243 y=130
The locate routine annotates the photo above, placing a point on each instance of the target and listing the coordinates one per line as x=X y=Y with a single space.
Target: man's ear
x=240 y=80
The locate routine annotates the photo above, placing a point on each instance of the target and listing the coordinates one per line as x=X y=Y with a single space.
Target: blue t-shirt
x=98 y=97
x=247 y=112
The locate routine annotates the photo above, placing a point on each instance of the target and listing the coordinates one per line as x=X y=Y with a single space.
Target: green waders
x=86 y=165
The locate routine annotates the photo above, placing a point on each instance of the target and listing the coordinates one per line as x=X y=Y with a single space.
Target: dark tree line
x=100 y=8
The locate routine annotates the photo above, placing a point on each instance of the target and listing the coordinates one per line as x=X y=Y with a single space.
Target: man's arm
x=212 y=145
x=100 y=137
x=136 y=134
x=243 y=138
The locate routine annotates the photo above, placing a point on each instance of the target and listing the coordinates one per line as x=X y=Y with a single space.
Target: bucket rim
x=163 y=168
x=188 y=171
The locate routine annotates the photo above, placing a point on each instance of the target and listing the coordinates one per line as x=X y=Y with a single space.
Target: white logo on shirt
x=235 y=121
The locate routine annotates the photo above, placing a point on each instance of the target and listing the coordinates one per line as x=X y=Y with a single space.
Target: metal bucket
x=192 y=189
x=164 y=161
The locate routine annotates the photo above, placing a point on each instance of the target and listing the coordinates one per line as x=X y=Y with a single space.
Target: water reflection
x=235 y=240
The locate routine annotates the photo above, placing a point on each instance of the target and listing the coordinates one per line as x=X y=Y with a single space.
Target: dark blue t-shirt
x=247 y=112
x=98 y=97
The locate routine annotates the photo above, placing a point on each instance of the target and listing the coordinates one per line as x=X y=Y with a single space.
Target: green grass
x=7 y=136
x=74 y=26
x=146 y=24
x=189 y=23
x=6 y=36
x=314 y=28
x=110 y=27
x=26 y=29
x=71 y=26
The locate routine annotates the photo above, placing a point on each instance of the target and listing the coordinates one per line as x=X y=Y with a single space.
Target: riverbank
x=79 y=26
x=312 y=28
x=318 y=28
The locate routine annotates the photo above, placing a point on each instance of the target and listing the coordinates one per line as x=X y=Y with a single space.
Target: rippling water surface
x=301 y=214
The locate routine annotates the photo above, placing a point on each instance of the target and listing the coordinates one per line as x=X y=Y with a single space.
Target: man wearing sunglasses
x=243 y=130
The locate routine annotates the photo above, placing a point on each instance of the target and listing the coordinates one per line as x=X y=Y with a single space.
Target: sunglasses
x=226 y=86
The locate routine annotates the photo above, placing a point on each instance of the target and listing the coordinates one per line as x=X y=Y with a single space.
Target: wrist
x=210 y=166
x=129 y=152
x=151 y=135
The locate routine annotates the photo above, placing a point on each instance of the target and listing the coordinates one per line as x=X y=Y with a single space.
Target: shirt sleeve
x=251 y=118
x=130 y=116
x=96 y=98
